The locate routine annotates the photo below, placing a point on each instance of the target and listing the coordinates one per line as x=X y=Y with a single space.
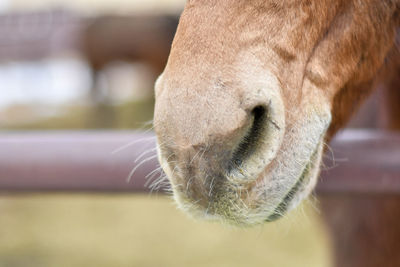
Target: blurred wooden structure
x=29 y=36
x=365 y=225
x=362 y=205
x=366 y=162
x=100 y=40
x=140 y=38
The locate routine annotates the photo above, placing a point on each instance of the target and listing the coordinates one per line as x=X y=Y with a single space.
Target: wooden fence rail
x=356 y=161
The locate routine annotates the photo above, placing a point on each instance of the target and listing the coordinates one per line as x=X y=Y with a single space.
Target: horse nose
x=232 y=135
x=241 y=154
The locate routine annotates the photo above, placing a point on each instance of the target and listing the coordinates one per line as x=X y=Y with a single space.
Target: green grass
x=137 y=230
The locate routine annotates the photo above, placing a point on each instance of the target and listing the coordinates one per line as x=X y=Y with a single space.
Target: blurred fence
x=37 y=35
x=357 y=162
x=100 y=40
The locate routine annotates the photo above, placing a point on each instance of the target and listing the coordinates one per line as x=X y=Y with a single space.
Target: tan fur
x=303 y=62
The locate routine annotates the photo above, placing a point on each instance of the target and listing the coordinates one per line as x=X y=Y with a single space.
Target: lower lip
x=281 y=209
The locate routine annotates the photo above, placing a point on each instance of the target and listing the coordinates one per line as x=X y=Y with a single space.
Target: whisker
x=123 y=147
x=211 y=186
x=143 y=126
x=150 y=179
x=137 y=166
x=188 y=184
x=162 y=181
x=153 y=171
x=195 y=155
x=144 y=153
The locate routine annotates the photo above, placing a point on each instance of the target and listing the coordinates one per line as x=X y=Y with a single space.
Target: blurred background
x=91 y=64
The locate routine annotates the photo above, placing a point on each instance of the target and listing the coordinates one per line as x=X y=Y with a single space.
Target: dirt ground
x=141 y=230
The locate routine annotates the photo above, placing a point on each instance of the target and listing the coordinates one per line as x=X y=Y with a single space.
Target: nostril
x=258 y=112
x=251 y=138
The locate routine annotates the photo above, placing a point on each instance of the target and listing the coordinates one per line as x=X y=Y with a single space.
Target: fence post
x=365 y=228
